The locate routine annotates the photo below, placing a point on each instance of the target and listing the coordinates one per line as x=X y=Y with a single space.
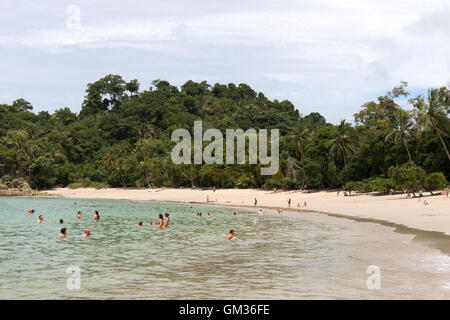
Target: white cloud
x=323 y=55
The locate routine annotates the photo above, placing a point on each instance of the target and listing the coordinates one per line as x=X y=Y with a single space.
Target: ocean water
x=288 y=256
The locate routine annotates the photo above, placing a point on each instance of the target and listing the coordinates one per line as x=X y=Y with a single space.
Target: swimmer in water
x=230 y=236
x=166 y=222
x=160 y=221
x=61 y=221
x=152 y=223
x=40 y=219
x=140 y=225
x=63 y=233
x=235 y=214
x=96 y=215
x=209 y=215
x=79 y=215
x=30 y=212
x=260 y=212
x=86 y=233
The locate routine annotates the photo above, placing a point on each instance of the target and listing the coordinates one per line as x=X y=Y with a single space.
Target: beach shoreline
x=392 y=209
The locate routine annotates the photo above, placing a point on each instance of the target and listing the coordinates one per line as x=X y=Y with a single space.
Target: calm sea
x=288 y=256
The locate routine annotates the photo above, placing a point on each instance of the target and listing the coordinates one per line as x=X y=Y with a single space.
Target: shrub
x=434 y=181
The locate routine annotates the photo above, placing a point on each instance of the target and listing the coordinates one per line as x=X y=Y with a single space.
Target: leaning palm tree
x=343 y=141
x=433 y=113
x=402 y=127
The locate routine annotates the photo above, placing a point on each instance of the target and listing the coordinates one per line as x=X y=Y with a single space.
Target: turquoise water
x=288 y=256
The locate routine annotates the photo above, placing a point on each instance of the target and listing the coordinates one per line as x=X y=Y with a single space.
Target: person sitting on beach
x=230 y=236
x=61 y=221
x=96 y=215
x=425 y=202
x=140 y=225
x=86 y=233
x=166 y=221
x=79 y=215
x=160 y=221
x=63 y=233
x=40 y=219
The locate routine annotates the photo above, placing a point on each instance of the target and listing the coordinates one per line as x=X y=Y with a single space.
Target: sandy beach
x=396 y=209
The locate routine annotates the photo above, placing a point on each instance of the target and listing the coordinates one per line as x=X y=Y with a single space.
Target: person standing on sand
x=256 y=202
x=447 y=191
x=230 y=236
x=289 y=203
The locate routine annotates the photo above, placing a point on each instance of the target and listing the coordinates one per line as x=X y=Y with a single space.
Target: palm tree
x=432 y=114
x=343 y=140
x=402 y=126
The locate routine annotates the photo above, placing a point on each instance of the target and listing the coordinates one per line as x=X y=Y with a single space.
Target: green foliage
x=121 y=138
x=435 y=180
x=407 y=177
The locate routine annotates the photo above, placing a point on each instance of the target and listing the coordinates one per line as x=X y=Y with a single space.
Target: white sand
x=397 y=208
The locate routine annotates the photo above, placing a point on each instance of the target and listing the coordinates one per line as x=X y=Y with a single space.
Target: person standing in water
x=96 y=215
x=235 y=214
x=166 y=222
x=40 y=219
x=79 y=215
x=209 y=215
x=64 y=233
x=260 y=212
x=140 y=224
x=61 y=221
x=160 y=221
x=86 y=233
x=230 y=236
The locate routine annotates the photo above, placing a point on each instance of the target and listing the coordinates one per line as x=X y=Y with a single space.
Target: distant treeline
x=121 y=138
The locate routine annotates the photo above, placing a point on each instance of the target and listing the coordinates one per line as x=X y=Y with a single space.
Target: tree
x=433 y=113
x=343 y=141
x=407 y=177
x=402 y=127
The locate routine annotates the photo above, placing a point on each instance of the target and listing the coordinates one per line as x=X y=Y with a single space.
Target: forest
x=121 y=138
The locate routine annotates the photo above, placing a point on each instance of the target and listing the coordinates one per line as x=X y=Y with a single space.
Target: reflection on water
x=289 y=256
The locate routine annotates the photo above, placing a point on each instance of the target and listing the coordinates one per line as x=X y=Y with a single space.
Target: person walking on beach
x=63 y=233
x=230 y=236
x=166 y=222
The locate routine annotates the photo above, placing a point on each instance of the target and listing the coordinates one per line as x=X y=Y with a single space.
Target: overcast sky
x=325 y=56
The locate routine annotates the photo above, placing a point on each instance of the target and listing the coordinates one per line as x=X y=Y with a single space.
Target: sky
x=324 y=56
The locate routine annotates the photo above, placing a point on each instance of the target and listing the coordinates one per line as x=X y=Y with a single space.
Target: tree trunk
x=406 y=145
x=443 y=144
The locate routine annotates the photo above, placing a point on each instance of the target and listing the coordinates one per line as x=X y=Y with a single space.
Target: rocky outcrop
x=14 y=187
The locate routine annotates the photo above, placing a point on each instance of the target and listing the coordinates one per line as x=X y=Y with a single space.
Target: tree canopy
x=121 y=138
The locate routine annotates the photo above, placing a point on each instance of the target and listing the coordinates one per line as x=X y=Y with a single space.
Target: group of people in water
x=162 y=222
x=63 y=232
